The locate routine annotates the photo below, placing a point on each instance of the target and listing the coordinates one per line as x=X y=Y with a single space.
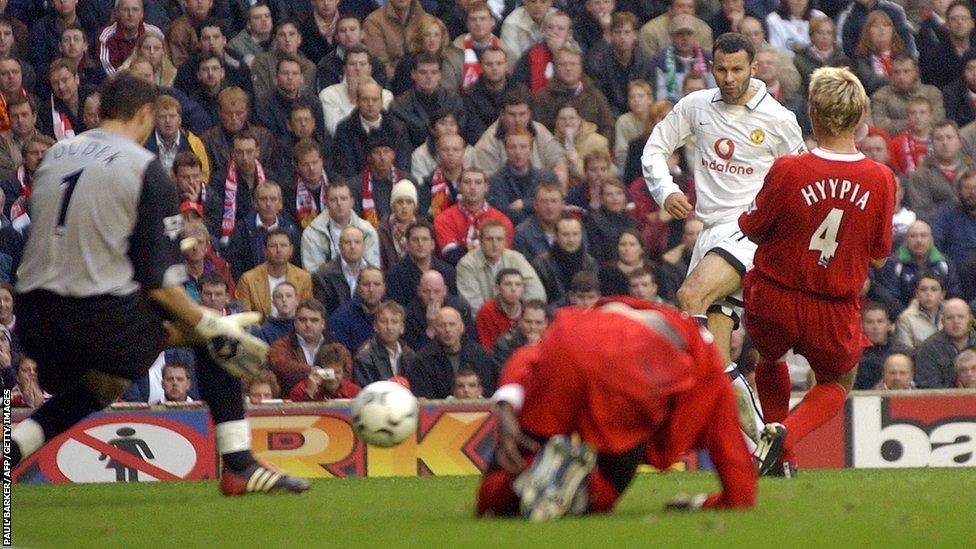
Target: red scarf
x=540 y=67
x=472 y=67
x=369 y=203
x=18 y=210
x=882 y=64
x=440 y=193
x=61 y=123
x=474 y=220
x=230 y=199
x=306 y=209
x=915 y=152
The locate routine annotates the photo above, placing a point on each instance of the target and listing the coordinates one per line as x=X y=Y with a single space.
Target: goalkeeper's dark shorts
x=66 y=336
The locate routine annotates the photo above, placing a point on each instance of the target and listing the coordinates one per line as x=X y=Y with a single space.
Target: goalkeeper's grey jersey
x=104 y=220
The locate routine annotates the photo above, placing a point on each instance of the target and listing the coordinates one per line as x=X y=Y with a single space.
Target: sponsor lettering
x=727 y=167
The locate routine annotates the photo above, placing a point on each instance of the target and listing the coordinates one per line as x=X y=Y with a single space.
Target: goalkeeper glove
x=235 y=350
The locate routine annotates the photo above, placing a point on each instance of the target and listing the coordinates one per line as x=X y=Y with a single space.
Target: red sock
x=495 y=495
x=603 y=494
x=819 y=406
x=773 y=383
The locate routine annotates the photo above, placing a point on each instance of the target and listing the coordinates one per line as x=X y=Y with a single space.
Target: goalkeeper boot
x=769 y=451
x=556 y=483
x=258 y=479
x=787 y=470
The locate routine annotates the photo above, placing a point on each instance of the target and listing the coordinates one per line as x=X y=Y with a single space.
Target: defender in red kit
x=820 y=220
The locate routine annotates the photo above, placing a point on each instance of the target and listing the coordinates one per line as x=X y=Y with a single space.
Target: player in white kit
x=738 y=131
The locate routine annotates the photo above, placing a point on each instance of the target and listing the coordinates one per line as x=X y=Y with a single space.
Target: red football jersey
x=819 y=219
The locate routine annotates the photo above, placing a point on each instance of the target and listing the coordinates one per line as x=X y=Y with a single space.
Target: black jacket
x=612 y=78
x=415 y=118
x=330 y=286
x=372 y=362
x=416 y=320
x=271 y=111
x=432 y=376
x=403 y=277
x=350 y=143
x=482 y=105
x=958 y=105
x=330 y=69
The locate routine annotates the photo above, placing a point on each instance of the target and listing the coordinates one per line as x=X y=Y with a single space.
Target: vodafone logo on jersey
x=724 y=148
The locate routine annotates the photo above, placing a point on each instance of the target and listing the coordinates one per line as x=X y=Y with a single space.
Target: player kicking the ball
x=820 y=220
x=738 y=130
x=638 y=383
x=100 y=290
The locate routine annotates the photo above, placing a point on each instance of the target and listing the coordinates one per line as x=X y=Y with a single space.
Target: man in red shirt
x=637 y=382
x=499 y=314
x=456 y=228
x=911 y=147
x=820 y=219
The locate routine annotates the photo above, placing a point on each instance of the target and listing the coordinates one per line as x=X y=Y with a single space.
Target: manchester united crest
x=757 y=136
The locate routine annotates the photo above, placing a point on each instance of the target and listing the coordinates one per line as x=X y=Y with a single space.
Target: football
x=384 y=414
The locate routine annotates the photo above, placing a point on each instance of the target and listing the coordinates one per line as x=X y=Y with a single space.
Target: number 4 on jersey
x=824 y=238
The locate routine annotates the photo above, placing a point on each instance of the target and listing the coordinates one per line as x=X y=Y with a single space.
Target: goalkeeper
x=100 y=290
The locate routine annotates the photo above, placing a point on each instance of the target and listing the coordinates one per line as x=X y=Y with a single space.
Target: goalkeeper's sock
x=234 y=444
x=819 y=406
x=54 y=417
x=221 y=390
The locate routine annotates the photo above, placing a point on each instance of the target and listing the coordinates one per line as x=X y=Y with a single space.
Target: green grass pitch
x=847 y=508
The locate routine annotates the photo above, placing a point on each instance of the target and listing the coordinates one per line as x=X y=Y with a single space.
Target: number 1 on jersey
x=824 y=238
x=70 y=181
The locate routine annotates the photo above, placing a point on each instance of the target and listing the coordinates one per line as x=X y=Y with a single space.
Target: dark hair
x=265 y=376
x=244 y=135
x=419 y=224
x=519 y=95
x=931 y=275
x=212 y=22
x=123 y=95
x=874 y=306
x=69 y=27
x=339 y=184
x=277 y=231
x=22 y=99
x=784 y=10
x=536 y=304
x=186 y=159
x=56 y=65
x=426 y=58
x=207 y=57
x=640 y=272
x=184 y=366
x=287 y=58
x=313 y=305
x=956 y=4
x=621 y=18
x=732 y=42
x=467 y=372
x=268 y=184
x=357 y=49
x=632 y=232
x=904 y=56
x=286 y=21
x=584 y=281
x=305 y=146
x=213 y=280
x=507 y=271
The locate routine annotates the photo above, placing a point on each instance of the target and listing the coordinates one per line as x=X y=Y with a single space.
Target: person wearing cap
x=684 y=56
x=392 y=230
x=375 y=183
x=352 y=134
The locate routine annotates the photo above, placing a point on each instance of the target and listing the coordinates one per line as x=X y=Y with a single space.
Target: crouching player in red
x=820 y=219
x=637 y=383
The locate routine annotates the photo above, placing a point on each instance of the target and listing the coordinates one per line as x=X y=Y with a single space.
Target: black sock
x=221 y=391
x=238 y=461
x=62 y=411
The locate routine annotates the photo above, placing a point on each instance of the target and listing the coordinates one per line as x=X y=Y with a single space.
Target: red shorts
x=605 y=387
x=827 y=333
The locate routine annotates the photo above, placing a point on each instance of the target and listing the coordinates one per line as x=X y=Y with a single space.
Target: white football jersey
x=734 y=146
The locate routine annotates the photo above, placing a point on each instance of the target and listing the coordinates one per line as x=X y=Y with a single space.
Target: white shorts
x=726 y=240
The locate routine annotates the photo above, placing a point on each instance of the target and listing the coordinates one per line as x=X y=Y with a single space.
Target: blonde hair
x=417 y=42
x=837 y=100
x=166 y=73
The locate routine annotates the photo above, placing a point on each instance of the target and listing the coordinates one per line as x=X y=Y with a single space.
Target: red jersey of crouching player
x=643 y=386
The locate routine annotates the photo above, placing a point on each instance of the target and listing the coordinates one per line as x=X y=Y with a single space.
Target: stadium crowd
x=410 y=188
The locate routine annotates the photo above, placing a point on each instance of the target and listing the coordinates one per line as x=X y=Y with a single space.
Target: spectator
x=389 y=29
x=28 y=392
x=152 y=48
x=254 y=287
x=931 y=40
x=392 y=229
x=903 y=216
x=477 y=271
x=319 y=30
x=456 y=227
x=182 y=33
x=513 y=186
x=674 y=262
x=522 y=29
x=11 y=85
x=432 y=373
x=527 y=331
x=233 y=108
x=634 y=121
x=655 y=35
x=335 y=282
x=202 y=261
x=889 y=105
x=934 y=357
x=287 y=41
x=22 y=116
x=728 y=16
x=613 y=67
x=855 y=23
x=263 y=387
x=320 y=242
x=118 y=39
x=479 y=22
x=352 y=323
x=285 y=300
x=641 y=283
x=385 y=354
x=11 y=248
x=424 y=160
x=536 y=66
x=215 y=294
x=429 y=297
x=632 y=169
x=176 y=382
x=584 y=292
x=431 y=41
x=467 y=385
x=499 y=314
x=403 y=277
x=291 y=356
x=353 y=133
x=822 y=51
x=569 y=82
x=340 y=99
x=965 y=368
x=349 y=34
x=910 y=148
x=592 y=24
x=875 y=146
x=290 y=89
x=191 y=182
x=752 y=29
x=923 y=317
x=72 y=45
x=547 y=153
x=958 y=94
x=597 y=169
x=627 y=256
x=210 y=77
x=898 y=371
x=46 y=32
x=536 y=234
x=682 y=57
x=61 y=113
x=946 y=57
x=8 y=319
x=954 y=227
x=328 y=377
x=17 y=186
x=564 y=259
x=416 y=106
x=579 y=138
x=377 y=179
x=915 y=257
x=170 y=138
x=930 y=186
x=226 y=203
x=483 y=99
x=877 y=328
x=306 y=197
x=194 y=117
x=876 y=48
x=8 y=357
x=213 y=43
x=789 y=25
x=301 y=125
x=604 y=226
x=255 y=38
